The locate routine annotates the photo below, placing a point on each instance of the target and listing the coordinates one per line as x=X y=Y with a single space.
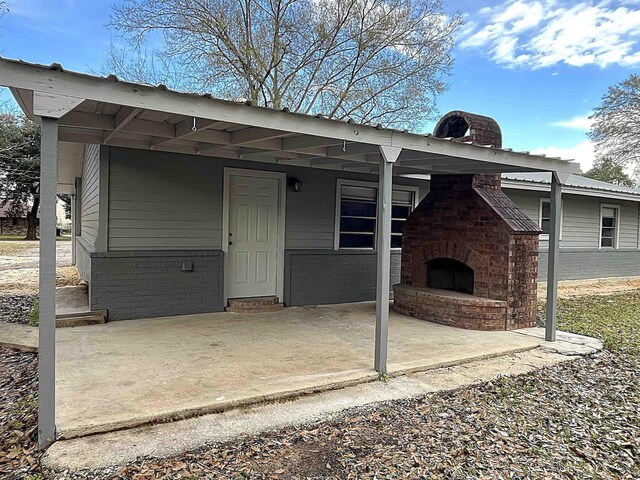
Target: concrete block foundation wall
x=139 y=284
x=318 y=277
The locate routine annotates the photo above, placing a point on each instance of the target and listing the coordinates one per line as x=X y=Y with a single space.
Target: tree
x=20 y=168
x=616 y=124
x=607 y=170
x=369 y=60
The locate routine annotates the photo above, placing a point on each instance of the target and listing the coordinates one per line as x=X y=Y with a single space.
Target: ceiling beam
x=248 y=136
x=122 y=118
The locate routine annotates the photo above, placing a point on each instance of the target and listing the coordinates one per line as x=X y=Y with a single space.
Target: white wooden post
x=552 y=269
x=47 y=325
x=383 y=245
x=73 y=229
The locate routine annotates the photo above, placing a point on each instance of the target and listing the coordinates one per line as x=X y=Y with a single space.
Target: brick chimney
x=469 y=254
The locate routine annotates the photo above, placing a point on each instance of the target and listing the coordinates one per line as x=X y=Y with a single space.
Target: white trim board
x=282 y=199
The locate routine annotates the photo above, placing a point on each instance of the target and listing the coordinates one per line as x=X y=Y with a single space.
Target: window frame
x=616 y=238
x=340 y=182
x=545 y=236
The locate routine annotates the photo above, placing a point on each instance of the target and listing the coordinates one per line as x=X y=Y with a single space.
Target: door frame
x=282 y=199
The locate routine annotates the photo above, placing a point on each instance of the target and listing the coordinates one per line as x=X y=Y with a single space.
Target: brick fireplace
x=469 y=254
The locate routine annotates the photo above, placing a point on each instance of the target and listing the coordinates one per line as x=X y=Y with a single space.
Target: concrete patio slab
x=19 y=337
x=163 y=440
x=125 y=374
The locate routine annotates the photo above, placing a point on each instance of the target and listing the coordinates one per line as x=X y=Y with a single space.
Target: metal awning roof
x=105 y=110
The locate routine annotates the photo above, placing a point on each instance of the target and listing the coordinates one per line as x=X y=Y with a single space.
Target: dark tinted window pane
x=357 y=225
x=546 y=225
x=608 y=232
x=546 y=210
x=349 y=240
x=400 y=211
x=357 y=209
x=396 y=241
x=606 y=242
x=396 y=226
x=608 y=222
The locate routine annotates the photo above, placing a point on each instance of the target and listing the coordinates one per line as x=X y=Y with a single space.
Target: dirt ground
x=600 y=286
x=19 y=267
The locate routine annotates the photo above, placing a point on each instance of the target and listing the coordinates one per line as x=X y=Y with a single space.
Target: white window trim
x=361 y=183
x=545 y=236
x=616 y=245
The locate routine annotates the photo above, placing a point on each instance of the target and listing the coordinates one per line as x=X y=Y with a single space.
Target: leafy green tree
x=20 y=168
x=607 y=170
x=616 y=124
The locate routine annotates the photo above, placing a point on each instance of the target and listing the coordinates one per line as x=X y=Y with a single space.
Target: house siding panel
x=169 y=201
x=580 y=264
x=89 y=210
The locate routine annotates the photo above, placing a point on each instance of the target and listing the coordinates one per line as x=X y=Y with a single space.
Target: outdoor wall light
x=294 y=184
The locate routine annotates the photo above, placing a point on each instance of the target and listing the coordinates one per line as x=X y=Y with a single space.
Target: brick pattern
x=7 y=226
x=254 y=305
x=455 y=221
x=141 y=284
x=450 y=308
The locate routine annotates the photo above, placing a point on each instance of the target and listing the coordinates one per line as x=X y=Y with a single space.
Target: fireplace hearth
x=469 y=254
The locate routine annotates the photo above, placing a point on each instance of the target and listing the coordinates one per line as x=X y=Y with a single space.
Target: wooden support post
x=552 y=269
x=47 y=325
x=383 y=245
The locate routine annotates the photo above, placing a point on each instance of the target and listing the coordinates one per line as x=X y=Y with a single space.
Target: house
x=184 y=203
x=12 y=224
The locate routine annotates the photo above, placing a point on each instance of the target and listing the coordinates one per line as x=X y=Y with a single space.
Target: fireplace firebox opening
x=449 y=274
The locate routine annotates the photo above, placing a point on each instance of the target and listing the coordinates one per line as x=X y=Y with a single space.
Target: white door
x=253 y=236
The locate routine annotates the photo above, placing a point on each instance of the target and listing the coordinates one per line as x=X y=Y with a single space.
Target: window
x=357 y=209
x=544 y=217
x=609 y=220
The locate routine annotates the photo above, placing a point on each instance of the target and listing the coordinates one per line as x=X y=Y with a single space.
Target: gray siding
x=169 y=201
x=317 y=277
x=152 y=284
x=581 y=218
x=579 y=264
x=90 y=196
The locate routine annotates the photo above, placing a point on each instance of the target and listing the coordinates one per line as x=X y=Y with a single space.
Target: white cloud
x=583 y=153
x=543 y=33
x=579 y=123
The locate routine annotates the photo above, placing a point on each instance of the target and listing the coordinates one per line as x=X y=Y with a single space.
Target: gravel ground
x=15 y=308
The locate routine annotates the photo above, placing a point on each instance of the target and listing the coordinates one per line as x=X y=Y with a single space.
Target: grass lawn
x=614 y=319
x=20 y=238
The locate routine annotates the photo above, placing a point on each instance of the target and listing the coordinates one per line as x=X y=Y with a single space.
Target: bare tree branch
x=380 y=61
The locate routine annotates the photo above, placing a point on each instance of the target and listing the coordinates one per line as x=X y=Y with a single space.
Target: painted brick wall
x=144 y=284
x=579 y=264
x=319 y=277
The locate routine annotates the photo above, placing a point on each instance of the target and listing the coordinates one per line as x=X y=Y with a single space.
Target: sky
x=538 y=67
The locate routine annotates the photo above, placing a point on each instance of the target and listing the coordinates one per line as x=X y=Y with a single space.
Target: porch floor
x=128 y=373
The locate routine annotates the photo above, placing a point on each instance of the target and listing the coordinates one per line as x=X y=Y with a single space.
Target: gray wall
x=138 y=284
x=316 y=277
x=578 y=264
x=581 y=218
x=155 y=197
x=89 y=197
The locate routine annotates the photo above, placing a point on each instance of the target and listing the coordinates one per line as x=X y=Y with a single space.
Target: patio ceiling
x=104 y=110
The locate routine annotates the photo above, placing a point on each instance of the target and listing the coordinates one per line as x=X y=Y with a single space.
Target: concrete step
x=95 y=317
x=254 y=305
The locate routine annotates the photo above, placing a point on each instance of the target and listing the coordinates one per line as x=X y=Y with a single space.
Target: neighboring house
x=10 y=222
x=17 y=225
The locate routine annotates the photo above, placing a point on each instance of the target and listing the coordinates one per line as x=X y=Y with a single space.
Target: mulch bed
x=576 y=420
x=15 y=308
x=19 y=456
